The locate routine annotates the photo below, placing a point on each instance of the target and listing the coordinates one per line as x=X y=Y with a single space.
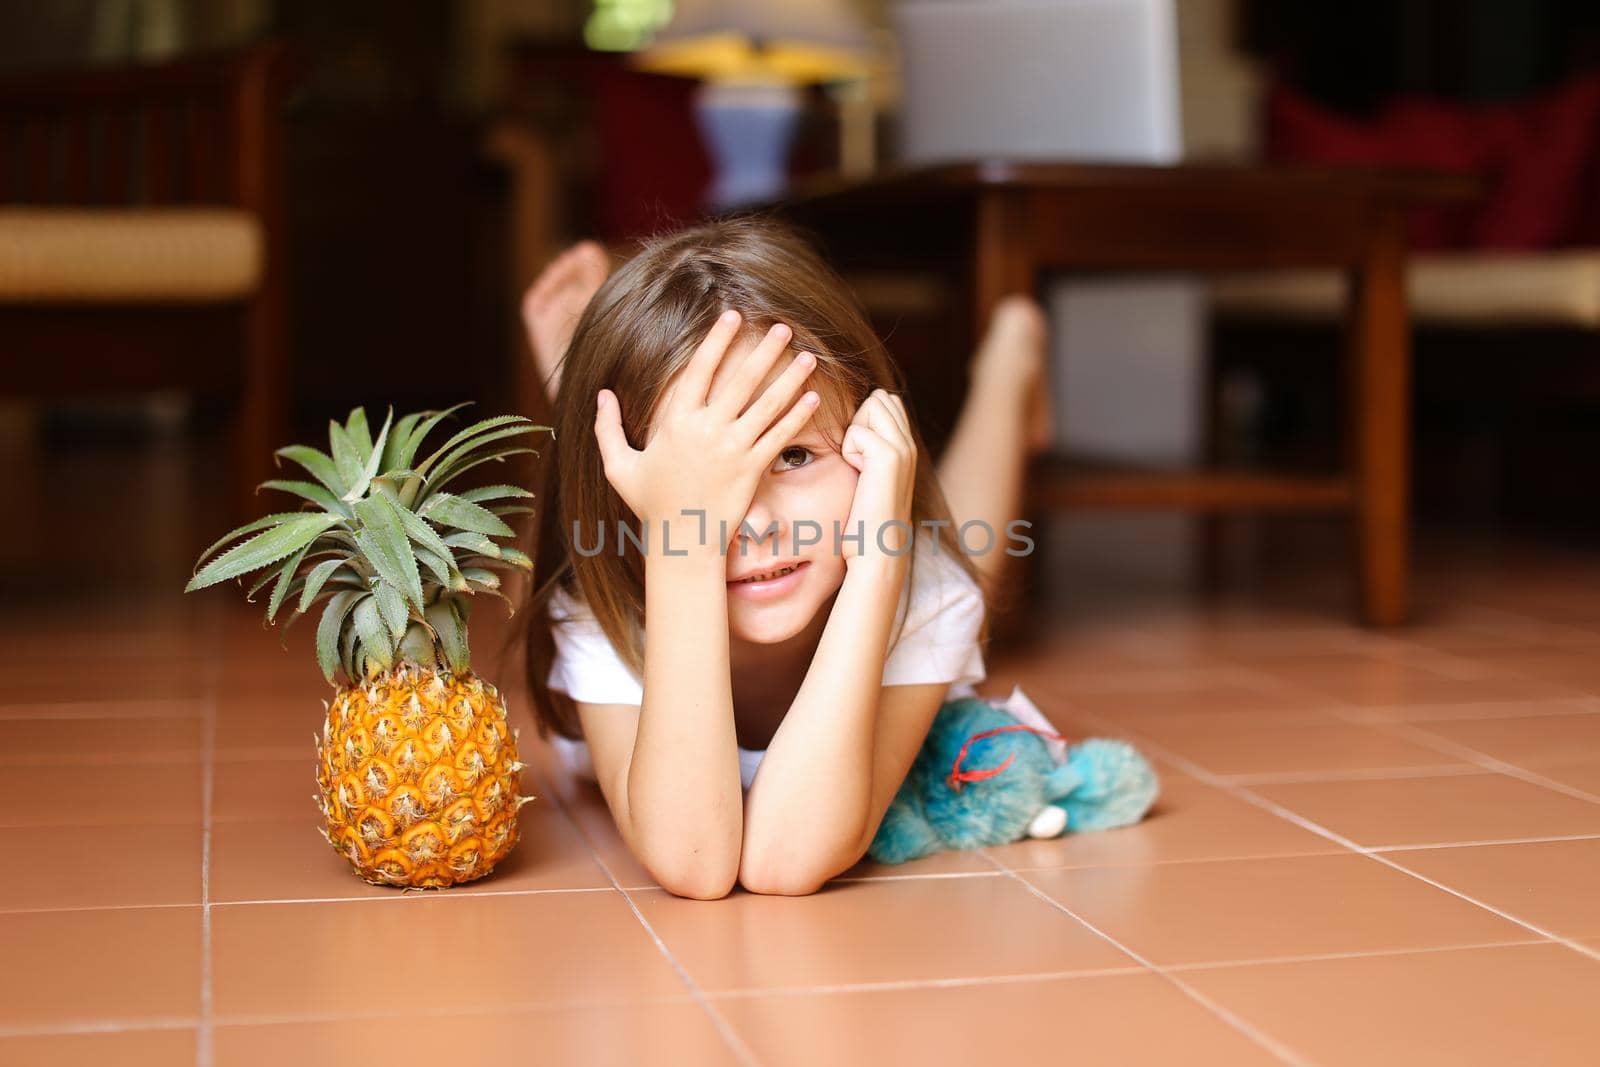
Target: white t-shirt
x=942 y=608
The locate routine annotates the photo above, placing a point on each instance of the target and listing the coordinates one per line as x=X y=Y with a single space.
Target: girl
x=749 y=599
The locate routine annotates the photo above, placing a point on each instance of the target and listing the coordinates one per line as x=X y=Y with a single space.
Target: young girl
x=749 y=597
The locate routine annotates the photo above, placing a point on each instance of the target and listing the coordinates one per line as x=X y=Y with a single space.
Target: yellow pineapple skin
x=417 y=776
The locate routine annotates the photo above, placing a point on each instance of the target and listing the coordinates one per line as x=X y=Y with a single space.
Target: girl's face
x=806 y=491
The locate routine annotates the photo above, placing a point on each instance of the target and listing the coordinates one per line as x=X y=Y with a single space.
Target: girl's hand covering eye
x=705 y=454
x=878 y=444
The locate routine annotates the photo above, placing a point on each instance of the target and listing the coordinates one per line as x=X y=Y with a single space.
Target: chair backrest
x=197 y=130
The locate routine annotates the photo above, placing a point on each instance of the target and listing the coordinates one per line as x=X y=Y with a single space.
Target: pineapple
x=416 y=767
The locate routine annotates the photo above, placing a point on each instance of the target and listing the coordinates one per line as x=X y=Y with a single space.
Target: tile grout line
x=1544 y=707
x=724 y=1029
x=1262 y=1039
x=1265 y=961
x=1350 y=714
x=204 y=1037
x=115 y=1025
x=845 y=988
x=1492 y=763
x=859 y=879
x=830 y=989
x=1486 y=843
x=205 y=1050
x=1197 y=771
x=106 y=1025
x=1427 y=770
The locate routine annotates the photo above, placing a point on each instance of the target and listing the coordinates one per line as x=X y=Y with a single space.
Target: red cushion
x=1540 y=159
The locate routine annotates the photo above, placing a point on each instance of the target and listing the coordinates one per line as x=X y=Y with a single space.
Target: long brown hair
x=639 y=330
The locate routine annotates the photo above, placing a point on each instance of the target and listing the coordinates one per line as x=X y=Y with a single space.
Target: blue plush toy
x=1026 y=785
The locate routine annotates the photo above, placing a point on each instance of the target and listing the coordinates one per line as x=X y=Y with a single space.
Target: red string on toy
x=959 y=777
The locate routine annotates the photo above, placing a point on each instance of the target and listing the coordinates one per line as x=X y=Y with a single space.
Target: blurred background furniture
x=1504 y=290
x=142 y=238
x=752 y=61
x=1003 y=225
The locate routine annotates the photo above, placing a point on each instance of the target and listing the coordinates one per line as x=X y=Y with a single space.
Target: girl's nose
x=761 y=524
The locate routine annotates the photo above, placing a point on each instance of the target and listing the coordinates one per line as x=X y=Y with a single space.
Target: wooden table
x=994 y=227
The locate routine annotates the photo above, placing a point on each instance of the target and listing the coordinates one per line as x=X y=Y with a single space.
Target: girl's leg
x=1004 y=420
x=553 y=303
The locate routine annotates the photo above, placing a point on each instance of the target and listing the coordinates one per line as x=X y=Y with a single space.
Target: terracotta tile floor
x=1371 y=848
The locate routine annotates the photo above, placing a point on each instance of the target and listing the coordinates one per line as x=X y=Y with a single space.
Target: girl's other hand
x=878 y=444
x=703 y=454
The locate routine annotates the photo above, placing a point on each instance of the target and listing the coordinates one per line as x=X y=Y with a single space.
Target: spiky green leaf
x=321 y=466
x=328 y=630
x=452 y=631
x=274 y=519
x=382 y=539
x=374 y=637
x=374 y=457
x=422 y=431
x=392 y=608
x=314 y=493
x=472 y=541
x=285 y=580
x=439 y=482
x=447 y=509
x=423 y=534
x=464 y=455
x=355 y=428
x=516 y=557
x=255 y=587
x=486 y=493
x=474 y=436
x=444 y=572
x=267 y=547
x=394 y=453
x=481 y=576
x=316 y=578
x=347 y=649
x=417 y=646
x=348 y=459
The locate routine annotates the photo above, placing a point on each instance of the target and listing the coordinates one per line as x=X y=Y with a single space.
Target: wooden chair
x=142 y=239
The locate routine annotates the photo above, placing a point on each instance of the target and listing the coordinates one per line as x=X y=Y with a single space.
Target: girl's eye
x=794 y=456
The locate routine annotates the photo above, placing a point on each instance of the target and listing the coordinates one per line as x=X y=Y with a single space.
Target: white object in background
x=1039 y=79
x=1128 y=355
x=1079 y=81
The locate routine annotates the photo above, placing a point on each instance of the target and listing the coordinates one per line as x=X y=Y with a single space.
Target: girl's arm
x=681 y=805
x=813 y=807
x=683 y=787
x=842 y=750
x=669 y=768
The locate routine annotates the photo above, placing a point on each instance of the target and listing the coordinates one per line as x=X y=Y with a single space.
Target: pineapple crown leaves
x=395 y=556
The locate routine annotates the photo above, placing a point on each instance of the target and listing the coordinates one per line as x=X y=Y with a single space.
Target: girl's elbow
x=799 y=887
x=780 y=872
x=697 y=882
x=787 y=883
x=699 y=889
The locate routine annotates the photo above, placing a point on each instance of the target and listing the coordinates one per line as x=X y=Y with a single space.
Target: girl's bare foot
x=553 y=303
x=1011 y=360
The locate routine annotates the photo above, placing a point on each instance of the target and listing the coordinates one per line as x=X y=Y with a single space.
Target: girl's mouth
x=769 y=584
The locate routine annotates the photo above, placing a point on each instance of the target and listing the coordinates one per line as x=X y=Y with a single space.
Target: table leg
x=1379 y=417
